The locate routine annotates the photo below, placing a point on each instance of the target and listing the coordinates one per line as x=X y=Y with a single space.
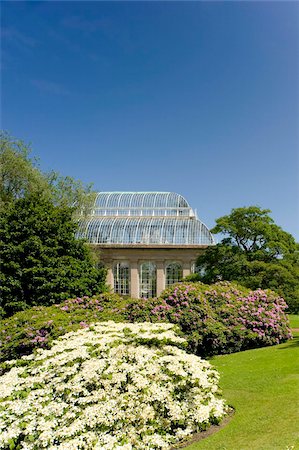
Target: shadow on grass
x=292 y=343
x=196 y=437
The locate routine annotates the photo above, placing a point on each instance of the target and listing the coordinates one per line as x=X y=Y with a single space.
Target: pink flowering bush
x=219 y=318
x=259 y=312
x=215 y=319
x=36 y=327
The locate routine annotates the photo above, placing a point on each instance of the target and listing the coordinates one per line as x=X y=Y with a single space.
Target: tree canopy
x=255 y=252
x=254 y=232
x=21 y=176
x=41 y=260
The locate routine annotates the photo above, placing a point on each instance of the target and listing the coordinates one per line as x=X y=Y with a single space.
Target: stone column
x=110 y=277
x=134 y=279
x=160 y=277
x=186 y=268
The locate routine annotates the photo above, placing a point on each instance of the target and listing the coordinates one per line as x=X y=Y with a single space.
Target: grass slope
x=263 y=387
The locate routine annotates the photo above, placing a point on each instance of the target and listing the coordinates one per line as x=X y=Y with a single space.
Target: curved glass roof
x=132 y=203
x=107 y=200
x=159 y=218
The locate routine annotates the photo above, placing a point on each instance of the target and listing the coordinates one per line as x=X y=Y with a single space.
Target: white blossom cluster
x=109 y=386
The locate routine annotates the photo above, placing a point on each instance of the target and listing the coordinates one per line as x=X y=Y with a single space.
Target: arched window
x=174 y=273
x=148 y=280
x=121 y=273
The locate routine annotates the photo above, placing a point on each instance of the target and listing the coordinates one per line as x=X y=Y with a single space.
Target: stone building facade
x=148 y=240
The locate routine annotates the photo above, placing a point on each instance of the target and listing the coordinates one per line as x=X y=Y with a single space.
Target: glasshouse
x=148 y=240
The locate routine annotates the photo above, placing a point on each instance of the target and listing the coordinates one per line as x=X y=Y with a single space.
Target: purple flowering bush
x=219 y=318
x=260 y=313
x=215 y=319
x=36 y=327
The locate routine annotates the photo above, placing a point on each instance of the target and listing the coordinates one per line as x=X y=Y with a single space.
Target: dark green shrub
x=41 y=260
x=193 y=277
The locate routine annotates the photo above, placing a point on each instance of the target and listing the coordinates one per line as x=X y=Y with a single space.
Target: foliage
x=220 y=318
x=109 y=386
x=214 y=319
x=68 y=192
x=253 y=231
x=254 y=252
x=36 y=327
x=193 y=277
x=21 y=176
x=260 y=384
x=42 y=261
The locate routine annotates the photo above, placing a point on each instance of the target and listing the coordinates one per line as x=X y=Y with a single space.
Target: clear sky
x=199 y=98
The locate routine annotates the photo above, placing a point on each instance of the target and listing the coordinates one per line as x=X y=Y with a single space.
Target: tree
x=254 y=232
x=254 y=252
x=42 y=261
x=21 y=176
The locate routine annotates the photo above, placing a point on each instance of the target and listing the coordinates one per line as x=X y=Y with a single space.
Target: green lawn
x=263 y=387
x=294 y=320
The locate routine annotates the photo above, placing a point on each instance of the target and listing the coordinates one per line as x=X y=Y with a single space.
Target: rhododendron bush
x=38 y=326
x=218 y=318
x=108 y=386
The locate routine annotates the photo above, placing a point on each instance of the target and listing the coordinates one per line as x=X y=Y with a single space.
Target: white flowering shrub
x=109 y=386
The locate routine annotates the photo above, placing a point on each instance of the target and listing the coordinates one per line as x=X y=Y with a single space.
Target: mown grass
x=294 y=320
x=263 y=387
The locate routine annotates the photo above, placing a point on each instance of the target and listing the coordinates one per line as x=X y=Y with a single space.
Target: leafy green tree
x=20 y=176
x=254 y=232
x=66 y=191
x=42 y=261
x=254 y=252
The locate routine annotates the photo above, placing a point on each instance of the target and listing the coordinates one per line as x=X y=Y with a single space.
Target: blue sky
x=199 y=98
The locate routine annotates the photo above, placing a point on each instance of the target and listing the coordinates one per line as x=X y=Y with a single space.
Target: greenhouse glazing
x=148 y=240
x=128 y=218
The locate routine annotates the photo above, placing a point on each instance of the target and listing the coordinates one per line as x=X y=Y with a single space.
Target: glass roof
x=159 y=218
x=112 y=200
x=145 y=230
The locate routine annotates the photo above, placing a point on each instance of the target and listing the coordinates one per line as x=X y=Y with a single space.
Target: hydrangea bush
x=108 y=386
x=219 y=318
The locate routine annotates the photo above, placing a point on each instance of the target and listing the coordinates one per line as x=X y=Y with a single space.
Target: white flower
x=107 y=387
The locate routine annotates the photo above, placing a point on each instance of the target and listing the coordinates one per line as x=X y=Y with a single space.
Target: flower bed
x=108 y=386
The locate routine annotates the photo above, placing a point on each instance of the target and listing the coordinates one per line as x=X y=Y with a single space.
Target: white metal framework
x=159 y=218
x=121 y=275
x=174 y=273
x=147 y=280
